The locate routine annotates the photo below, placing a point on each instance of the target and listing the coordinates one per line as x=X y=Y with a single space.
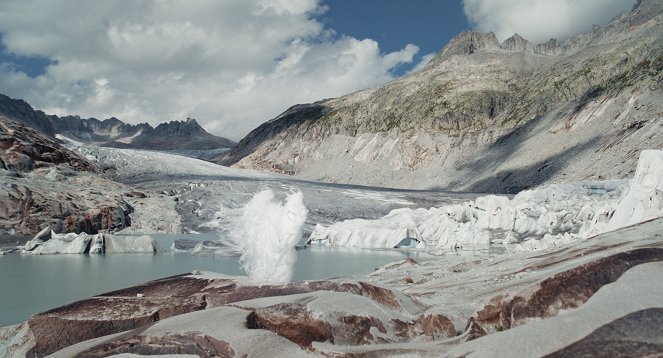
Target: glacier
x=535 y=219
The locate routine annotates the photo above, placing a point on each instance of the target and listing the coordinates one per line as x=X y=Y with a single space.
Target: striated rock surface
x=517 y=43
x=620 y=320
x=564 y=291
x=551 y=47
x=140 y=306
x=485 y=117
x=45 y=184
x=24 y=149
x=62 y=199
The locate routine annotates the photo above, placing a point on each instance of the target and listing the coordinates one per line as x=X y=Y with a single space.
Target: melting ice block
x=644 y=199
x=72 y=243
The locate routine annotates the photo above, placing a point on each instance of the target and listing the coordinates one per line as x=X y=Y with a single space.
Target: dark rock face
x=175 y=135
x=113 y=132
x=142 y=305
x=114 y=312
x=181 y=343
x=21 y=110
x=551 y=47
x=46 y=184
x=293 y=322
x=639 y=334
x=266 y=131
x=23 y=149
x=566 y=290
x=28 y=207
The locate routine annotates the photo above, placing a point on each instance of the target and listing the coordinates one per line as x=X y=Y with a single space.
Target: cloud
x=425 y=59
x=540 y=20
x=231 y=64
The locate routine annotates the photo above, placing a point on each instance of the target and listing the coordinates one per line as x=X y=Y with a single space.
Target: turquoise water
x=31 y=284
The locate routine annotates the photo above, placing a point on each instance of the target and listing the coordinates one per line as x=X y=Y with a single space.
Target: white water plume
x=266 y=232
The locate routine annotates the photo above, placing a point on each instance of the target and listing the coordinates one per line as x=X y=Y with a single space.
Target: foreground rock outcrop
x=564 y=291
x=45 y=184
x=23 y=149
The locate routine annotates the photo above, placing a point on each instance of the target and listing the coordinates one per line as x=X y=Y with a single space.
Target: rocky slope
x=113 y=132
x=484 y=116
x=43 y=184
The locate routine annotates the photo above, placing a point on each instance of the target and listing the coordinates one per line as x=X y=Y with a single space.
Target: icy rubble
x=72 y=243
x=551 y=215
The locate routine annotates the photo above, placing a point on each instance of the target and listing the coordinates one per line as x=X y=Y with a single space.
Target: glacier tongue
x=539 y=218
x=550 y=214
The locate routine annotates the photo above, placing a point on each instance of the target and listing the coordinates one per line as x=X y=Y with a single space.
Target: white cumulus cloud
x=541 y=20
x=231 y=64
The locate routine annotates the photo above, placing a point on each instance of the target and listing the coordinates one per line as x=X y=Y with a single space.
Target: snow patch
x=68 y=140
x=128 y=140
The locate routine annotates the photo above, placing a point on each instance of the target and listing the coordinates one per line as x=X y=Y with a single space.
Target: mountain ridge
x=112 y=132
x=484 y=116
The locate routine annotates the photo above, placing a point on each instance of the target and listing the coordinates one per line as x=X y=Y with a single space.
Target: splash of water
x=266 y=232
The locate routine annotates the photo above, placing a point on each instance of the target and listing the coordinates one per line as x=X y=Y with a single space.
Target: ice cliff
x=547 y=216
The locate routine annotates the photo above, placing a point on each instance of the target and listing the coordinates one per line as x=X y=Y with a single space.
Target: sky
x=234 y=64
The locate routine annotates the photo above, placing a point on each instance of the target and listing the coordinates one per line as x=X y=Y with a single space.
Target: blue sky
x=234 y=64
x=429 y=24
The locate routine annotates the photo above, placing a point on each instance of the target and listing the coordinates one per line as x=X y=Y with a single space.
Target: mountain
x=485 y=116
x=113 y=132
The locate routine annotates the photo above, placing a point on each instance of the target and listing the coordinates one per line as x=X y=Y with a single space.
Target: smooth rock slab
x=142 y=305
x=566 y=290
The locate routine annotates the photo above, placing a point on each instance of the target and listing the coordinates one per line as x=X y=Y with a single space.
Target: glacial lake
x=35 y=283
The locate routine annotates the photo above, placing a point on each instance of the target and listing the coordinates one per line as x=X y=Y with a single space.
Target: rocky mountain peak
x=469 y=42
x=517 y=43
x=644 y=10
x=182 y=127
x=113 y=132
x=551 y=47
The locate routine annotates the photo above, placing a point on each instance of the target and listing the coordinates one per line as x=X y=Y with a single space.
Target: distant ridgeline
x=485 y=116
x=112 y=132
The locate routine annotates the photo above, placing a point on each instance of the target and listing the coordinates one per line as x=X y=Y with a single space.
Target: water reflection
x=30 y=284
